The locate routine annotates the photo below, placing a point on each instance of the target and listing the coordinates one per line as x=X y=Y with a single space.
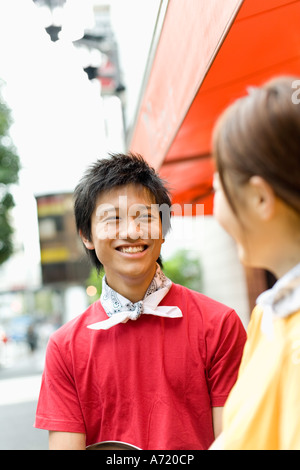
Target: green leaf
x=9 y=169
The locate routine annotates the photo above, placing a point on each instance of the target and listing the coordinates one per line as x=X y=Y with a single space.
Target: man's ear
x=87 y=243
x=263 y=197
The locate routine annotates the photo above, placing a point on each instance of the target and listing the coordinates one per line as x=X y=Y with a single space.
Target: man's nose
x=131 y=229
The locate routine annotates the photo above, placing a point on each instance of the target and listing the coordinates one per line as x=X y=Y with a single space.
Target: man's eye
x=146 y=216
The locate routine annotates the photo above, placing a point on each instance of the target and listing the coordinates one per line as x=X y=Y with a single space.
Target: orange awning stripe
x=209 y=53
x=189 y=40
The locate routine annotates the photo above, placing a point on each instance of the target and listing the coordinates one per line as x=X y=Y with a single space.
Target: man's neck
x=132 y=289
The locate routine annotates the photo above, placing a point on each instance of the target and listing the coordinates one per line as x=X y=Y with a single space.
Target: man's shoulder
x=198 y=300
x=205 y=314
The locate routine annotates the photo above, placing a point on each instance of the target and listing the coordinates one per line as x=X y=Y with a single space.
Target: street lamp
x=51 y=12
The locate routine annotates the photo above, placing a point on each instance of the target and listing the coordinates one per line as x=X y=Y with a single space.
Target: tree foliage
x=185 y=269
x=9 y=169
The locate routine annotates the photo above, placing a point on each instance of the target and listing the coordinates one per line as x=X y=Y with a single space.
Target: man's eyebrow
x=143 y=206
x=149 y=207
x=104 y=209
x=138 y=207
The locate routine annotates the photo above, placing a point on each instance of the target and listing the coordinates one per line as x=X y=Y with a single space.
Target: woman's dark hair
x=108 y=173
x=260 y=135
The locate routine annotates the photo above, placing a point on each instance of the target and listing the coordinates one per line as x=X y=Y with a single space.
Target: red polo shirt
x=150 y=382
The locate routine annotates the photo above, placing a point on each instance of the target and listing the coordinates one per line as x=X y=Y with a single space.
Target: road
x=20 y=377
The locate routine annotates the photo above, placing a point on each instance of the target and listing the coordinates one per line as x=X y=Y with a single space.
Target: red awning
x=208 y=54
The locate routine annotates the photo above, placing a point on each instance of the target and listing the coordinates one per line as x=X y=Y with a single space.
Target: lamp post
x=90 y=32
x=52 y=14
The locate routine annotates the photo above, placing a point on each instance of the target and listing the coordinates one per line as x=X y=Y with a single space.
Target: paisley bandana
x=112 y=302
x=120 y=309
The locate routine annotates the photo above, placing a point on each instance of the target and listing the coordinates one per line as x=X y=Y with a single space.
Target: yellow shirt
x=263 y=408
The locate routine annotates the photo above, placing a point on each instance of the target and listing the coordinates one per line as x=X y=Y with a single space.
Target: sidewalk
x=16 y=360
x=19 y=389
x=16 y=427
x=20 y=379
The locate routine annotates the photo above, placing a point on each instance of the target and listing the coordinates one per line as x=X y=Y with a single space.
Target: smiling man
x=151 y=363
x=127 y=238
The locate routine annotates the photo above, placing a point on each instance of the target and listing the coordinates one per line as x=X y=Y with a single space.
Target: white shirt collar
x=282 y=300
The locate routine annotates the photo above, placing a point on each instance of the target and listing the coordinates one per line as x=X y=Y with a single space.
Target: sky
x=58 y=114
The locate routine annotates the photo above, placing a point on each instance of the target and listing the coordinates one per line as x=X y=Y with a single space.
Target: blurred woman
x=256 y=147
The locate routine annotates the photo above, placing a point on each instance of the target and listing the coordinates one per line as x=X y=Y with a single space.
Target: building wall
x=224 y=278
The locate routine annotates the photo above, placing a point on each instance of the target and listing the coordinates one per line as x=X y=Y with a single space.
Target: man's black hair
x=105 y=174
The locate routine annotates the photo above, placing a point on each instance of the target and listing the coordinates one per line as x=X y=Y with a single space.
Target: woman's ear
x=87 y=243
x=263 y=198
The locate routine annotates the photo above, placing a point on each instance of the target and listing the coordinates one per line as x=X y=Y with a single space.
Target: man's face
x=126 y=234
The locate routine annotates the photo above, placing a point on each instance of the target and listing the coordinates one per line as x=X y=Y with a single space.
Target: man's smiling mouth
x=132 y=249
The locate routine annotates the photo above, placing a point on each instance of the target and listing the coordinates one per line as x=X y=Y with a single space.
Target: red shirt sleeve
x=225 y=346
x=58 y=406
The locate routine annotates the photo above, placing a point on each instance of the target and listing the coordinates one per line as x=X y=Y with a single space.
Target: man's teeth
x=132 y=249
